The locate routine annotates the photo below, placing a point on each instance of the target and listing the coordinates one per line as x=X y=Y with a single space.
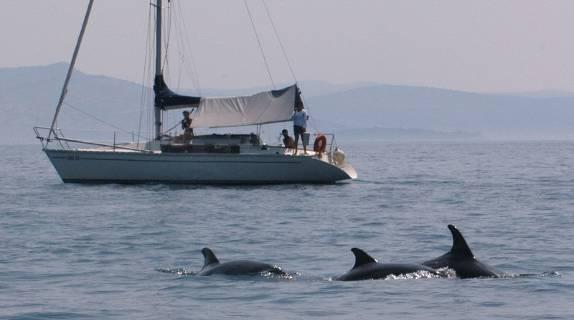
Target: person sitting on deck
x=288 y=142
x=254 y=139
x=186 y=126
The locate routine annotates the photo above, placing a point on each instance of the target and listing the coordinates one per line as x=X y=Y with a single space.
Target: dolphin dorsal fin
x=208 y=257
x=361 y=258
x=459 y=245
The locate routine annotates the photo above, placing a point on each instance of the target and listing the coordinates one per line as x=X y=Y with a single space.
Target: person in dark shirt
x=186 y=126
x=288 y=142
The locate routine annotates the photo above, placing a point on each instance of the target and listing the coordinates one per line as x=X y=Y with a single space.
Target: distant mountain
x=29 y=95
x=98 y=105
x=542 y=94
x=493 y=115
x=310 y=89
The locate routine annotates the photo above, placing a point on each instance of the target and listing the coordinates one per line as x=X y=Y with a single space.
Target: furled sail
x=166 y=99
x=265 y=107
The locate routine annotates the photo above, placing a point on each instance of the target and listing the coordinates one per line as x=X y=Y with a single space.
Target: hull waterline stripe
x=178 y=161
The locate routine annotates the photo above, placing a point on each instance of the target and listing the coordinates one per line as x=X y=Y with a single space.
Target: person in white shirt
x=299 y=126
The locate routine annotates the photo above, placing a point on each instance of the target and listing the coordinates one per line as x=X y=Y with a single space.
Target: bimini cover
x=261 y=108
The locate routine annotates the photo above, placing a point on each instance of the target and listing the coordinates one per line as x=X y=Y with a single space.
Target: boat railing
x=63 y=143
x=43 y=134
x=330 y=146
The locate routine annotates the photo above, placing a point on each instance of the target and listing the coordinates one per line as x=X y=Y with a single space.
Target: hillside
x=98 y=105
x=496 y=116
x=28 y=98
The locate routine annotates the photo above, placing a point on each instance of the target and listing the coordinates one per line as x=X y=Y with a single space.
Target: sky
x=480 y=45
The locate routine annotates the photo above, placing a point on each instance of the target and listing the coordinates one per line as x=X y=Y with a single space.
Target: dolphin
x=461 y=259
x=212 y=265
x=366 y=267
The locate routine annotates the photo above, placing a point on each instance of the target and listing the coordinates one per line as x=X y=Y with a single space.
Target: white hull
x=92 y=166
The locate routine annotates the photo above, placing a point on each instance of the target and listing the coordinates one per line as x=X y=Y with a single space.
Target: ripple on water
x=129 y=251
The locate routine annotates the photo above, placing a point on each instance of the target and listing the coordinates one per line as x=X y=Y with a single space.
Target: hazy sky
x=481 y=45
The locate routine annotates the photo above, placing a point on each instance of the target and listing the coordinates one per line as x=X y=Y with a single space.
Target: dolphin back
x=461 y=259
x=366 y=267
x=459 y=245
x=362 y=258
x=209 y=258
x=242 y=268
x=212 y=265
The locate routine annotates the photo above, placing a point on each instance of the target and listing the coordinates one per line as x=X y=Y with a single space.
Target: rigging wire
x=98 y=119
x=260 y=44
x=145 y=75
x=173 y=127
x=283 y=51
x=177 y=46
x=167 y=41
x=167 y=38
x=186 y=47
x=279 y=40
x=182 y=46
x=180 y=52
x=264 y=59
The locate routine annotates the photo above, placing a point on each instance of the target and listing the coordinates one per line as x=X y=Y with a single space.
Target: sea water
x=72 y=251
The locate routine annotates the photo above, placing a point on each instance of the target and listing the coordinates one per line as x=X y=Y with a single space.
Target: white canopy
x=261 y=108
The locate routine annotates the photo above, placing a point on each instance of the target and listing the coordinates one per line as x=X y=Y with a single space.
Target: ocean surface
x=70 y=251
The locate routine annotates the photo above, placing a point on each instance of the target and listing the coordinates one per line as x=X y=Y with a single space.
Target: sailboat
x=200 y=159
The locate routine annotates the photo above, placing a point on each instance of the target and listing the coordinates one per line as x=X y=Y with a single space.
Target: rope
x=170 y=129
x=260 y=44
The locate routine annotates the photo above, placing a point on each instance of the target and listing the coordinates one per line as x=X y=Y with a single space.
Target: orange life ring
x=320 y=144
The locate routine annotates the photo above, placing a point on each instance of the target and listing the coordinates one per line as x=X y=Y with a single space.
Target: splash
x=280 y=276
x=547 y=274
x=446 y=272
x=421 y=274
x=178 y=271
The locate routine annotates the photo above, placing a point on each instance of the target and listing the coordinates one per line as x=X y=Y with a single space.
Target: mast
x=165 y=99
x=71 y=68
x=158 y=72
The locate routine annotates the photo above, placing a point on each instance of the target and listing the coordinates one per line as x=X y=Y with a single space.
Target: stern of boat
x=332 y=155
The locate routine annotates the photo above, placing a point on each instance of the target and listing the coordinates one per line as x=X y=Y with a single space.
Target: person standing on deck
x=299 y=118
x=186 y=126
